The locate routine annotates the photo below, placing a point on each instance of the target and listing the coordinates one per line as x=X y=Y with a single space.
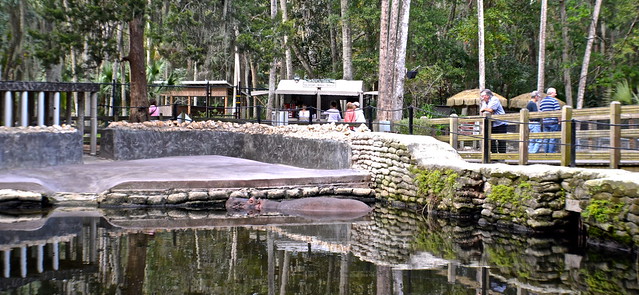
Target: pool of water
x=207 y=252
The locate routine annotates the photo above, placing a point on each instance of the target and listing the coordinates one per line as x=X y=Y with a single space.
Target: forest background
x=90 y=40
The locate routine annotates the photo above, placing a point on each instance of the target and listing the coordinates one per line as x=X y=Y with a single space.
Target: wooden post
x=566 y=135
x=453 y=137
x=524 y=136
x=94 y=124
x=615 y=134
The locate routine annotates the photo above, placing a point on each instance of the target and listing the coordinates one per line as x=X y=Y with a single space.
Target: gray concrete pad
x=96 y=176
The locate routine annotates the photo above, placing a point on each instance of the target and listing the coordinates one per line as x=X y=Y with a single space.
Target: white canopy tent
x=322 y=88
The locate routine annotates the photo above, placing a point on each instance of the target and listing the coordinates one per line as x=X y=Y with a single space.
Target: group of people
x=352 y=114
x=491 y=104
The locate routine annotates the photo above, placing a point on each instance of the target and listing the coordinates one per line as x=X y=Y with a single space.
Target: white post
x=7 y=262
x=23 y=261
x=24 y=113
x=56 y=108
x=40 y=258
x=8 y=109
x=94 y=123
x=56 y=255
x=41 y=108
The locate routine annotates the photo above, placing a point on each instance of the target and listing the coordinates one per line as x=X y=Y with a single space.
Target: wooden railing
x=606 y=135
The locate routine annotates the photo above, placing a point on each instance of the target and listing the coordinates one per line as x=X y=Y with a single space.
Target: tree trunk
x=332 y=33
x=541 y=63
x=482 y=58
x=584 y=66
x=14 y=51
x=400 y=61
x=139 y=101
x=565 y=58
x=287 y=49
x=383 y=56
x=272 y=73
x=347 y=59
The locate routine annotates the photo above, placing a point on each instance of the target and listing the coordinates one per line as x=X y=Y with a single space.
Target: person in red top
x=349 y=114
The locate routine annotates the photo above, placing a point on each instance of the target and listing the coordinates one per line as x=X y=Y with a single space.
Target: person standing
x=491 y=104
x=549 y=104
x=534 y=125
x=154 y=111
x=359 y=113
x=333 y=113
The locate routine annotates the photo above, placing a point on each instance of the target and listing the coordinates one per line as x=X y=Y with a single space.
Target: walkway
x=97 y=175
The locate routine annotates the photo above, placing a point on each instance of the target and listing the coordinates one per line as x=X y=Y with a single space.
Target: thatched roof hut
x=520 y=101
x=470 y=98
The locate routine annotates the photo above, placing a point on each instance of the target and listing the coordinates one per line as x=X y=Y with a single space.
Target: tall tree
x=288 y=58
x=565 y=57
x=136 y=59
x=347 y=56
x=584 y=66
x=482 y=55
x=541 y=63
x=272 y=74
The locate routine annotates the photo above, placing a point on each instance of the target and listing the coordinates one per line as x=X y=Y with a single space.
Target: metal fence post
x=573 y=145
x=410 y=120
x=485 y=147
x=369 y=110
x=259 y=114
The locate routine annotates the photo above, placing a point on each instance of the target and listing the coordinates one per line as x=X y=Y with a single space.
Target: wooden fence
x=594 y=136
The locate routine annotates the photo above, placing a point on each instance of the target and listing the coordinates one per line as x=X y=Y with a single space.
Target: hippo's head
x=249 y=205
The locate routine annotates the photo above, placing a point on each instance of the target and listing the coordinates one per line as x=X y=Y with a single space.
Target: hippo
x=315 y=207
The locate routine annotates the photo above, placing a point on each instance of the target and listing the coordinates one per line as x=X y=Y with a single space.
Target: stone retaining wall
x=131 y=144
x=423 y=173
x=217 y=197
x=34 y=147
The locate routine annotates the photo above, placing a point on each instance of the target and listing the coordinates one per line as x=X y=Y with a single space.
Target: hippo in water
x=315 y=207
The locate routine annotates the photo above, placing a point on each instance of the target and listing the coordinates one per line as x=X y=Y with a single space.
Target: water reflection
x=207 y=252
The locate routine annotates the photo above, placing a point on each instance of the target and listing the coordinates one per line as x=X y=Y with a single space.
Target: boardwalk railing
x=588 y=136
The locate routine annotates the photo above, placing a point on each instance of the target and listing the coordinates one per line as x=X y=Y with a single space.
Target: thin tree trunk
x=139 y=101
x=482 y=58
x=287 y=49
x=541 y=63
x=331 y=29
x=272 y=73
x=347 y=59
x=302 y=60
x=564 y=55
x=584 y=67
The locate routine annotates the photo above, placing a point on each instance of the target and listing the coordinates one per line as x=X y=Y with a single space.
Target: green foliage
x=510 y=199
x=603 y=211
x=435 y=183
x=420 y=127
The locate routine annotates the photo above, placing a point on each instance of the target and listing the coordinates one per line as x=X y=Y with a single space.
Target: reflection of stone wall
x=537 y=263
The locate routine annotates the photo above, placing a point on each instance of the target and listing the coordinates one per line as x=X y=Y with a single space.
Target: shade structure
x=520 y=101
x=470 y=97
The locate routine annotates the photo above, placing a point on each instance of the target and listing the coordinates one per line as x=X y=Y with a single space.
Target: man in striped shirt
x=549 y=104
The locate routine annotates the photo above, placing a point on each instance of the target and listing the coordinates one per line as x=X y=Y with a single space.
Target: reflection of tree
x=136 y=264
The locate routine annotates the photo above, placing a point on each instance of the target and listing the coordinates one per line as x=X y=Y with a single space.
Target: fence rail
x=584 y=134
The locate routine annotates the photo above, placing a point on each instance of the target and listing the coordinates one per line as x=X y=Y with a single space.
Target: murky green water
x=204 y=252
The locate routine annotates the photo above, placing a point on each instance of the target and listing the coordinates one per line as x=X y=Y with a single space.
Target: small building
x=318 y=93
x=196 y=97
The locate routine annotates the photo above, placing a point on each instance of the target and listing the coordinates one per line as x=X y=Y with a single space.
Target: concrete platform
x=98 y=175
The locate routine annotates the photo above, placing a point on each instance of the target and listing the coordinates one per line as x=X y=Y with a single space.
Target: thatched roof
x=470 y=98
x=520 y=101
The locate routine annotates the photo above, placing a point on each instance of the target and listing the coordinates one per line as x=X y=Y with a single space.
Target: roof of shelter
x=520 y=101
x=203 y=83
x=321 y=87
x=470 y=97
